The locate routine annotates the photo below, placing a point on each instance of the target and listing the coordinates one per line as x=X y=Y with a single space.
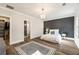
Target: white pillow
x=54 y=31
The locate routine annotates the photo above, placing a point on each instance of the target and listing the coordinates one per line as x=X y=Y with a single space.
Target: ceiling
x=52 y=9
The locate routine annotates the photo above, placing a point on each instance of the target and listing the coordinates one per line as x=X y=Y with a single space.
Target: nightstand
x=63 y=38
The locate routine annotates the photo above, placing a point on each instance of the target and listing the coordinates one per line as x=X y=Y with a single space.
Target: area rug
x=35 y=48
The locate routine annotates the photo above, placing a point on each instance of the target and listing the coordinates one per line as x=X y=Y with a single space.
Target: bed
x=53 y=36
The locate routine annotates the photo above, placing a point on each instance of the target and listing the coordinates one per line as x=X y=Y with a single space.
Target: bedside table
x=63 y=38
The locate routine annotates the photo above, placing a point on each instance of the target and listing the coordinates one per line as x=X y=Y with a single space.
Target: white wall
x=17 y=25
x=77 y=27
x=60 y=14
x=36 y=27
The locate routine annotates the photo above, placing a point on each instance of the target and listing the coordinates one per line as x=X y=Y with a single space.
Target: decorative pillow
x=52 y=32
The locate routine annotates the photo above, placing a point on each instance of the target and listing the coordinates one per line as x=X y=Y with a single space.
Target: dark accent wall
x=65 y=25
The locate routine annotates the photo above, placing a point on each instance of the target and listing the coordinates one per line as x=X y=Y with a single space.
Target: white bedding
x=52 y=38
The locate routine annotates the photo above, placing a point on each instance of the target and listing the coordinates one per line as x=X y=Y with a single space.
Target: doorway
x=26 y=30
x=5 y=29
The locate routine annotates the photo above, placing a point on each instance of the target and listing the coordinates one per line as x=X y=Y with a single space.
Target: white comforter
x=52 y=38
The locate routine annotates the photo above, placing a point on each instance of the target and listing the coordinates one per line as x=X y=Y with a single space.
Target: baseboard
x=13 y=43
x=36 y=37
x=77 y=42
x=68 y=38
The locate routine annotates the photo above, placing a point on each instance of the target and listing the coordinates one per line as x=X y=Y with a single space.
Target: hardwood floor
x=67 y=47
x=11 y=48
